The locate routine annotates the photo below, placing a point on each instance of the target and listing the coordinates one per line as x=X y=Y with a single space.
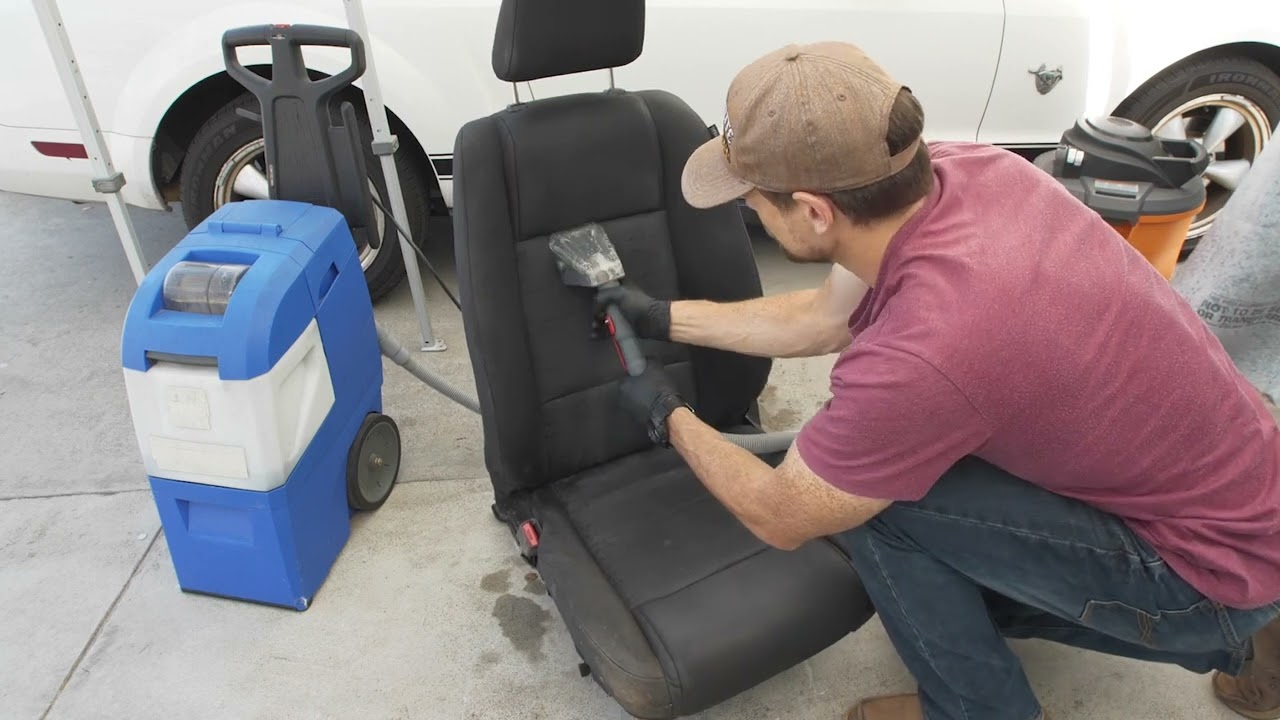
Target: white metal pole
x=106 y=179
x=384 y=146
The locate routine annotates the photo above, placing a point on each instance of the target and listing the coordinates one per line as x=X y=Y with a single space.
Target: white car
x=1015 y=73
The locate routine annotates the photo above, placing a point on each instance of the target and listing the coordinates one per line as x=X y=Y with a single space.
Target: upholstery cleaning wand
x=600 y=266
x=586 y=258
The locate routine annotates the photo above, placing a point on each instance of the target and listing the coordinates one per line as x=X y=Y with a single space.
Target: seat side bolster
x=488 y=285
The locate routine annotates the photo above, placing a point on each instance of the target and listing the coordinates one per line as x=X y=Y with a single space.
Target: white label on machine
x=188 y=408
x=249 y=434
x=184 y=456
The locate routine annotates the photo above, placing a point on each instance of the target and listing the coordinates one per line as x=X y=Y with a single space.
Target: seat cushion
x=670 y=600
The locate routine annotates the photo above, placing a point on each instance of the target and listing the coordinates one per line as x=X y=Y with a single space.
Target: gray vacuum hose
x=758 y=443
x=392 y=348
x=762 y=443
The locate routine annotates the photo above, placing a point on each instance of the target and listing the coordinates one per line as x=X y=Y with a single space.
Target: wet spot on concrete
x=489 y=657
x=778 y=418
x=533 y=585
x=768 y=398
x=768 y=394
x=496 y=582
x=524 y=623
x=785 y=418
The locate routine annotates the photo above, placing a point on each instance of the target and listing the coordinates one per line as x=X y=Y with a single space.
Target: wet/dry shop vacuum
x=251 y=353
x=1149 y=189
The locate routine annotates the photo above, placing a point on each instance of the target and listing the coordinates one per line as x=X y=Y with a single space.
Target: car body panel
x=1107 y=50
x=23 y=170
x=968 y=61
x=1042 y=34
x=131 y=91
x=684 y=57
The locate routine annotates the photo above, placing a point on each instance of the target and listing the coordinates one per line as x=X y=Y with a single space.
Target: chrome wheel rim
x=1238 y=130
x=244 y=177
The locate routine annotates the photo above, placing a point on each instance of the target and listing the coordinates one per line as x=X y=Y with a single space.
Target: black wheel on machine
x=1230 y=101
x=225 y=163
x=373 y=463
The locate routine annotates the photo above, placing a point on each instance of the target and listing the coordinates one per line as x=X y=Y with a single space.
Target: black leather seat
x=672 y=604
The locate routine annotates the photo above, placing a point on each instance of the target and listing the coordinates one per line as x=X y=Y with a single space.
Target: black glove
x=650 y=398
x=648 y=317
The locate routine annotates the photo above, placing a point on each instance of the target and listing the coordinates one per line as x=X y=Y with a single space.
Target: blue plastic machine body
x=277 y=546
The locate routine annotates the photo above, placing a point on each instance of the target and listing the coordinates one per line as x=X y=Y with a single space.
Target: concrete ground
x=429 y=612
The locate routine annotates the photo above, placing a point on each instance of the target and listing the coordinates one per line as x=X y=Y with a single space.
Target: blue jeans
x=987 y=556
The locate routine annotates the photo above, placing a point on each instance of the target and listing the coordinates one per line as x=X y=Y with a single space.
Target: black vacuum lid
x=1122 y=171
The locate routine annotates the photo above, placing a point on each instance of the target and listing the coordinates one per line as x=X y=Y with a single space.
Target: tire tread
x=1167 y=87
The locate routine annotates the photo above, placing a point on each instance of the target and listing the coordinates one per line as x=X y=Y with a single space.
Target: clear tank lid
x=201 y=287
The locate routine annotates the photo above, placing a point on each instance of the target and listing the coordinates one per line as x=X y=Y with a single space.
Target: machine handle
x=295 y=36
x=251 y=35
x=240 y=37
x=624 y=339
x=1185 y=159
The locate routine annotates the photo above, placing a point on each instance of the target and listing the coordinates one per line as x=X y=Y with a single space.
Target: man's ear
x=819 y=210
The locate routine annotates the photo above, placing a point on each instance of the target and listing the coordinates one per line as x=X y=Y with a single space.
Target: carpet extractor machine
x=254 y=378
x=252 y=357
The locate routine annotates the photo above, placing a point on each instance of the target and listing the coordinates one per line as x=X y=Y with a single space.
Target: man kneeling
x=1030 y=434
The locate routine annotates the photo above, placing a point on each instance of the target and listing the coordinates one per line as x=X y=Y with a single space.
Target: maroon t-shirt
x=1010 y=322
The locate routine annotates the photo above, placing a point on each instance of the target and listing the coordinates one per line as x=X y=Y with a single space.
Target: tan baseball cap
x=804 y=117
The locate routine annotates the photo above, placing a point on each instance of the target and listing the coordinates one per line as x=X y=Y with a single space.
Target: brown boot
x=1255 y=692
x=888 y=707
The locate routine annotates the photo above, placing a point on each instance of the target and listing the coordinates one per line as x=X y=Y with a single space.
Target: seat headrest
x=545 y=38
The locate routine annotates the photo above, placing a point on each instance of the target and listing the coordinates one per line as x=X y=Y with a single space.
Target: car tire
x=228 y=141
x=1191 y=95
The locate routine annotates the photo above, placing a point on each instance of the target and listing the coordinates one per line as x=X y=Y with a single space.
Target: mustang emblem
x=1046 y=79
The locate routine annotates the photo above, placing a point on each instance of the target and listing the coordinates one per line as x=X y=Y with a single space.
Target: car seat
x=672 y=604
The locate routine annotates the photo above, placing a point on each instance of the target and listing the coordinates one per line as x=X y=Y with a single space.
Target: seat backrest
x=547 y=390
